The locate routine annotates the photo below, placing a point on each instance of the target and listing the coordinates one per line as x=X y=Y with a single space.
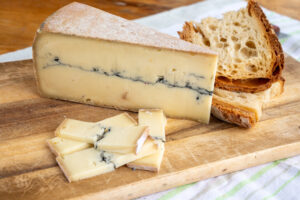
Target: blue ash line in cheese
x=107 y=158
x=102 y=135
x=158 y=138
x=161 y=79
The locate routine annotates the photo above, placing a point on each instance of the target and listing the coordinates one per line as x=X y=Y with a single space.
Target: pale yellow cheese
x=91 y=162
x=179 y=83
x=91 y=132
x=85 y=55
x=155 y=119
x=62 y=146
x=123 y=140
x=151 y=162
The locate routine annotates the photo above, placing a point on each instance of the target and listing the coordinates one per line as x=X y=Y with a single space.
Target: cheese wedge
x=62 y=146
x=91 y=132
x=156 y=121
x=123 y=140
x=91 y=162
x=86 y=55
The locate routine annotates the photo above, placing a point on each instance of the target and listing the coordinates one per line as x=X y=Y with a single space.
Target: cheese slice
x=91 y=162
x=86 y=55
x=151 y=162
x=156 y=121
x=62 y=146
x=91 y=132
x=123 y=140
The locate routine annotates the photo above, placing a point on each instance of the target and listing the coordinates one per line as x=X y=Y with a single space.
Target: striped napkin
x=275 y=180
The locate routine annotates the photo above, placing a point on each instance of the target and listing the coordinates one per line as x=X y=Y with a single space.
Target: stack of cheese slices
x=250 y=62
x=87 y=149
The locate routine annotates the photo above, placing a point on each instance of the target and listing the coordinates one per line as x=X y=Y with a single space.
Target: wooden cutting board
x=193 y=151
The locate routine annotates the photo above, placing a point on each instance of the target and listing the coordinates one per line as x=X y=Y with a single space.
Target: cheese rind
x=83 y=67
x=62 y=146
x=123 y=140
x=91 y=162
x=91 y=132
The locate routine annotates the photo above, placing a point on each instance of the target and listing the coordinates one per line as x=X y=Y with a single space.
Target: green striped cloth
x=276 y=180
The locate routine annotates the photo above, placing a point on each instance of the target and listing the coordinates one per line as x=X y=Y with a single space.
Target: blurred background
x=19 y=19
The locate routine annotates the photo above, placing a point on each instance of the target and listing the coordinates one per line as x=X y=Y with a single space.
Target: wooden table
x=19 y=19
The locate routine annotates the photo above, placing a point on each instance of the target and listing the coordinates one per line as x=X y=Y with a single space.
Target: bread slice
x=241 y=108
x=250 y=55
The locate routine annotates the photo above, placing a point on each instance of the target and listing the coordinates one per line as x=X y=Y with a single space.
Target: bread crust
x=232 y=114
x=248 y=85
x=256 y=11
x=238 y=115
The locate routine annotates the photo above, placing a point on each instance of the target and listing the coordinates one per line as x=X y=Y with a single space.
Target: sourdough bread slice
x=241 y=108
x=250 y=55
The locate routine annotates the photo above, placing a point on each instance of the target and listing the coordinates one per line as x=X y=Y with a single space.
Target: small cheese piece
x=123 y=140
x=155 y=119
x=91 y=132
x=84 y=164
x=86 y=55
x=62 y=146
x=151 y=162
x=91 y=162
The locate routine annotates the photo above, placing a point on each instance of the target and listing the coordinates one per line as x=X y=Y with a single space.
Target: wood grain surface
x=193 y=151
x=19 y=19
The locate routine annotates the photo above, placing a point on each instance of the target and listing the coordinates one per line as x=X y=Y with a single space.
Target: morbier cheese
x=123 y=140
x=86 y=55
x=151 y=162
x=91 y=132
x=91 y=162
x=156 y=121
x=62 y=146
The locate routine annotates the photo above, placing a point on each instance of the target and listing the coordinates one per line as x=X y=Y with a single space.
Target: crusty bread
x=241 y=108
x=250 y=55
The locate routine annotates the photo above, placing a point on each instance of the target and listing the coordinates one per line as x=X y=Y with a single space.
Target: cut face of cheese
x=85 y=55
x=123 y=140
x=62 y=146
x=91 y=132
x=155 y=119
x=91 y=162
